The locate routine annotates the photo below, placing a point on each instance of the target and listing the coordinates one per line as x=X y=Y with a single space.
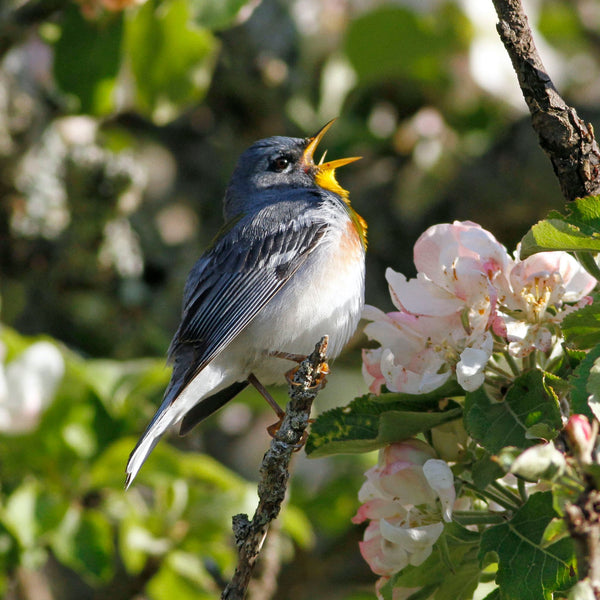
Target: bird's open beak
x=325 y=171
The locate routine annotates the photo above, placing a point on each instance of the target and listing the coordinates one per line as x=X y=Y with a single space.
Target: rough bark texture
x=274 y=474
x=583 y=519
x=570 y=144
x=567 y=140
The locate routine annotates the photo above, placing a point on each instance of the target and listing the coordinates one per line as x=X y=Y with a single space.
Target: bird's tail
x=162 y=420
x=179 y=400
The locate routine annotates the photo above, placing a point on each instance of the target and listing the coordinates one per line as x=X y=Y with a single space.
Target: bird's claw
x=320 y=378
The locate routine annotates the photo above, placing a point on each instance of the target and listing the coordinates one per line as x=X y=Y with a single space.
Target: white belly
x=324 y=297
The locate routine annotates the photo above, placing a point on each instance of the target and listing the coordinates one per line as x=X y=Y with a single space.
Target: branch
x=250 y=535
x=566 y=139
x=583 y=520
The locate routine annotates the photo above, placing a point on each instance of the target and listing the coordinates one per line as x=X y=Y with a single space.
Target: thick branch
x=566 y=139
x=249 y=535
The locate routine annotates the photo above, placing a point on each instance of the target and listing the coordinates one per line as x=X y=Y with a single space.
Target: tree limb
x=567 y=140
x=250 y=535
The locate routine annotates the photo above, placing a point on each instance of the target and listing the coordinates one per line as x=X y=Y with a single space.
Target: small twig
x=249 y=535
x=567 y=140
x=583 y=520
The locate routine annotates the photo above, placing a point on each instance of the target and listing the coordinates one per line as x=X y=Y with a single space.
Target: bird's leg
x=265 y=394
x=289 y=376
x=288 y=356
x=271 y=429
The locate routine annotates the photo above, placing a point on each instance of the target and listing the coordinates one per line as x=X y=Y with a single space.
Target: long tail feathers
x=180 y=401
x=162 y=420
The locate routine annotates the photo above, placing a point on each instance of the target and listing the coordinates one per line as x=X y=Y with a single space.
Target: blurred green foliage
x=118 y=132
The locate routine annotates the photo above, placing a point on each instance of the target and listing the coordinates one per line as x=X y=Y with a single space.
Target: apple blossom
x=534 y=299
x=468 y=300
x=407 y=496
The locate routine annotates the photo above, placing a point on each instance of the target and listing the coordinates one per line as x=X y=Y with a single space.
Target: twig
x=567 y=140
x=249 y=535
x=583 y=520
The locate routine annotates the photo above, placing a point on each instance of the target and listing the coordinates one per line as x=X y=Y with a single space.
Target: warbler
x=287 y=268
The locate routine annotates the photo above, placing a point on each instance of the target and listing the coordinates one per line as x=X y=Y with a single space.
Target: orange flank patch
x=351 y=244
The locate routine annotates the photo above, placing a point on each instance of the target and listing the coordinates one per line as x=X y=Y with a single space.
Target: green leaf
x=454 y=574
x=527 y=568
x=485 y=470
x=399 y=42
x=582 y=327
x=165 y=463
x=530 y=410
x=216 y=14
x=578 y=231
x=171 y=58
x=31 y=513
x=585 y=381
x=370 y=422
x=87 y=58
x=84 y=543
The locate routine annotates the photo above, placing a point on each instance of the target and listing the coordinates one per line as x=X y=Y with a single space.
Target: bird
x=287 y=268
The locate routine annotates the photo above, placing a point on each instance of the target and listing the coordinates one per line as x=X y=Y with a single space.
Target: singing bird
x=287 y=268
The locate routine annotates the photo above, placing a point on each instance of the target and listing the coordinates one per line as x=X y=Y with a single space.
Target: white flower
x=401 y=497
x=27 y=386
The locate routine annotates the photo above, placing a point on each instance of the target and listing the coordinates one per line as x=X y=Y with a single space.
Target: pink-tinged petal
x=372 y=313
x=420 y=296
x=441 y=479
x=416 y=541
x=379 y=509
x=470 y=368
x=581 y=437
x=371 y=370
x=411 y=451
x=499 y=326
x=383 y=558
x=441 y=249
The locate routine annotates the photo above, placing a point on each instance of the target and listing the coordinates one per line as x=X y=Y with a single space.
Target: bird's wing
x=233 y=281
x=226 y=289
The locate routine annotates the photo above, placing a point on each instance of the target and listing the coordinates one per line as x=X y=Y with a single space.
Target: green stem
x=522 y=490
x=499 y=371
x=510 y=496
x=512 y=363
x=487 y=495
x=476 y=517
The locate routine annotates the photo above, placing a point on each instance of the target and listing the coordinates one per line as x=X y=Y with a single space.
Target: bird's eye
x=281 y=163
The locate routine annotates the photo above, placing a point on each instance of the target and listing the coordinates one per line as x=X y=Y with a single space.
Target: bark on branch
x=567 y=140
x=250 y=535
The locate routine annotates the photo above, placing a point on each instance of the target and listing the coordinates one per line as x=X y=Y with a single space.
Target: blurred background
x=120 y=124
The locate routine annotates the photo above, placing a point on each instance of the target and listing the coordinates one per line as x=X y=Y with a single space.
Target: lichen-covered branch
x=567 y=140
x=274 y=473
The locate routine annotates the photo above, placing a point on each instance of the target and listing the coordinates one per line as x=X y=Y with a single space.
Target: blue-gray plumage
x=287 y=268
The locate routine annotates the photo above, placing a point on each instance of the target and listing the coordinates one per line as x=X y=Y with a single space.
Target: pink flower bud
x=581 y=437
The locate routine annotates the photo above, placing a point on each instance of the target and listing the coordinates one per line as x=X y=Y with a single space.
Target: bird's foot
x=274 y=428
x=320 y=378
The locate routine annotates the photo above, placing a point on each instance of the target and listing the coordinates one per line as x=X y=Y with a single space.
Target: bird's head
x=281 y=163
